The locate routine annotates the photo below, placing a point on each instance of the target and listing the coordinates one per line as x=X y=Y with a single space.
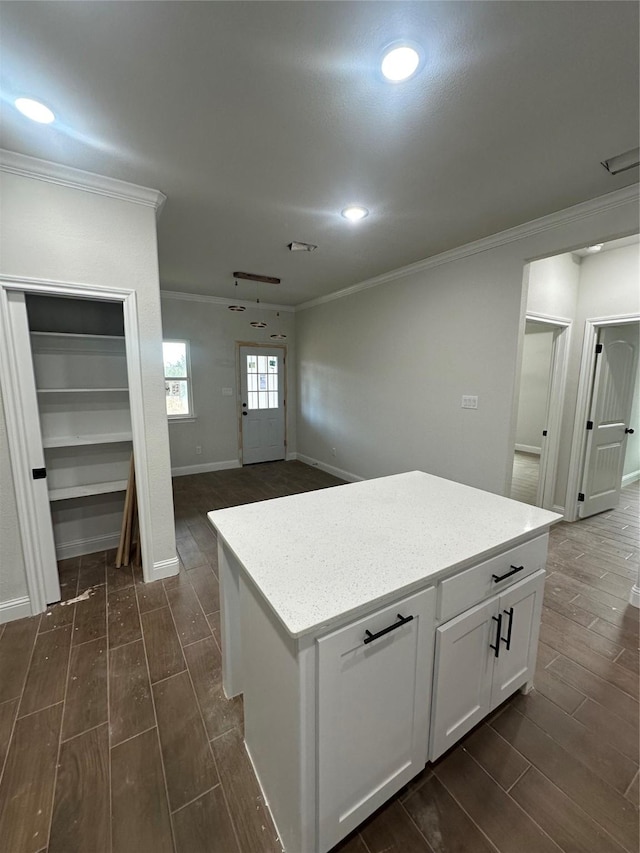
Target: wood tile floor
x=115 y=735
x=524 y=483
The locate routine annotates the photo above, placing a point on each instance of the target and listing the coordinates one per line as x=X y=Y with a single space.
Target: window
x=177 y=379
x=262 y=381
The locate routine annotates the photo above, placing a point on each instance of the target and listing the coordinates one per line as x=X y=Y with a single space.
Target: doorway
x=541 y=396
x=36 y=496
x=262 y=403
x=605 y=434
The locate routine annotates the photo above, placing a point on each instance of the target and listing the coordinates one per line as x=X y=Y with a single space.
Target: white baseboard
x=630 y=478
x=330 y=469
x=527 y=448
x=66 y=550
x=205 y=468
x=165 y=569
x=291 y=457
x=16 y=608
x=634 y=596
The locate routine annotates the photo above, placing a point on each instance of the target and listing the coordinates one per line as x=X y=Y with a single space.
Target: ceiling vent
x=622 y=162
x=301 y=247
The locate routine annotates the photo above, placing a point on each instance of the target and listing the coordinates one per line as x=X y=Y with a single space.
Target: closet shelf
x=75 y=440
x=77 y=335
x=85 y=491
x=80 y=390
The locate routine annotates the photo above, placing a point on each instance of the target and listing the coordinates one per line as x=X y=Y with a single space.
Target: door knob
x=629 y=431
x=245 y=413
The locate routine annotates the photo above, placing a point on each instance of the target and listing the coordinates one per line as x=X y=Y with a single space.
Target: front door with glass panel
x=262 y=404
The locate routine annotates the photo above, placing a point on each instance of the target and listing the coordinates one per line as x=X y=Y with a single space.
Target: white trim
x=330 y=469
x=634 y=596
x=579 y=440
x=15 y=608
x=66 y=550
x=164 y=569
x=584 y=210
x=559 y=509
x=221 y=300
x=630 y=478
x=526 y=448
x=77 y=179
x=205 y=468
x=548 y=318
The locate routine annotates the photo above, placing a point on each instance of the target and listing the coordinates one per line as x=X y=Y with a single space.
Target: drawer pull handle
x=403 y=621
x=496 y=648
x=507 y=642
x=514 y=569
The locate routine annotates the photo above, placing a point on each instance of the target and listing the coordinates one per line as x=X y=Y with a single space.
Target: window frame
x=190 y=416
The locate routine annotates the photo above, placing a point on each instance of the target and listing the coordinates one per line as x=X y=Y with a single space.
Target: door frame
x=264 y=345
x=555 y=404
x=585 y=383
x=28 y=518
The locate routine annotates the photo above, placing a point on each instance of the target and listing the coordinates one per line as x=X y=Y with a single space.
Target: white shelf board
x=79 y=390
x=84 y=491
x=75 y=440
x=78 y=335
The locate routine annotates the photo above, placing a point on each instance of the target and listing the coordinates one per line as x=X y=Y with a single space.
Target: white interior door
x=262 y=388
x=41 y=548
x=609 y=416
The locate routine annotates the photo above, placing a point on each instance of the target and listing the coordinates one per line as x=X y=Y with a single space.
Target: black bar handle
x=496 y=648
x=403 y=621
x=514 y=569
x=507 y=642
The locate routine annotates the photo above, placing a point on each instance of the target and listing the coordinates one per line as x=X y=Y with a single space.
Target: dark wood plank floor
x=115 y=734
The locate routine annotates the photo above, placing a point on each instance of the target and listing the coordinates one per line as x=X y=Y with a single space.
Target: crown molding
x=601 y=204
x=221 y=300
x=77 y=179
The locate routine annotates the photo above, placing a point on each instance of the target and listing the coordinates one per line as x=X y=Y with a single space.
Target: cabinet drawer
x=475 y=584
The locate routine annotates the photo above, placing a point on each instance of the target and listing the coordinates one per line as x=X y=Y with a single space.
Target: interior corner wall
x=213 y=332
x=62 y=233
x=381 y=371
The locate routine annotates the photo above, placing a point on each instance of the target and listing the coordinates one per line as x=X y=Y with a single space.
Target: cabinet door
x=373 y=712
x=462 y=677
x=521 y=606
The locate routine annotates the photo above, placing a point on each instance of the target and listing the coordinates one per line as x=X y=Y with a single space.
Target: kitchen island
x=369 y=626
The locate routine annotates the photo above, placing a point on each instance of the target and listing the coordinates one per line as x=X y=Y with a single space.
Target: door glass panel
x=262 y=381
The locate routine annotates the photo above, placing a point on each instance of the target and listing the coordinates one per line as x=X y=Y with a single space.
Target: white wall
x=382 y=370
x=57 y=232
x=213 y=332
x=534 y=387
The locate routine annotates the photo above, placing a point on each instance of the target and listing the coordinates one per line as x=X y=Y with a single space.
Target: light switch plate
x=227 y=392
x=469 y=402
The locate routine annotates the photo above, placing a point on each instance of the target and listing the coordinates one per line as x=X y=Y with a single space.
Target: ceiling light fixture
x=34 y=110
x=400 y=61
x=279 y=336
x=622 y=162
x=355 y=212
x=258 y=324
x=597 y=247
x=237 y=307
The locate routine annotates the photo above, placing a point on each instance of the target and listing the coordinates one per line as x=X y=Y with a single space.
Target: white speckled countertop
x=323 y=555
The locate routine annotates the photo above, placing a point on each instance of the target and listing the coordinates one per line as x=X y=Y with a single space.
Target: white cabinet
x=483 y=656
x=374 y=680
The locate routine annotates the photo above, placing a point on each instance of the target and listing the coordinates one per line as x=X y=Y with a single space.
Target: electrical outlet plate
x=469 y=401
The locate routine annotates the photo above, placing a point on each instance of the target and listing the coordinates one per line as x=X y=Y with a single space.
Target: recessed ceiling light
x=34 y=110
x=400 y=61
x=597 y=247
x=355 y=212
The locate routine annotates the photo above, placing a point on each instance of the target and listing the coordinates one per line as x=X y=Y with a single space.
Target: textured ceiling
x=261 y=120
